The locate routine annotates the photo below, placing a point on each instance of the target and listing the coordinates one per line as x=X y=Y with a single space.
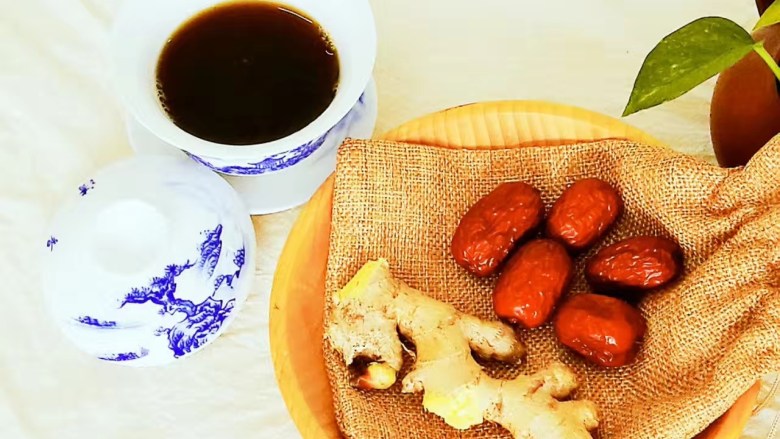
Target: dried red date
x=635 y=264
x=603 y=329
x=493 y=225
x=584 y=213
x=532 y=282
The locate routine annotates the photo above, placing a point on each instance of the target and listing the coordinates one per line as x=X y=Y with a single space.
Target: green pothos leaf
x=686 y=58
x=769 y=17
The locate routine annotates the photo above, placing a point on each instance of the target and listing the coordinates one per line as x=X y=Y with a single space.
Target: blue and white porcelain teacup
x=291 y=168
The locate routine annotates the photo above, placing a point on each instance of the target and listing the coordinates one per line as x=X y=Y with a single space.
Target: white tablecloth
x=59 y=121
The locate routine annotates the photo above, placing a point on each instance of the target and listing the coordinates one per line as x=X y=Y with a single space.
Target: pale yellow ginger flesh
x=373 y=307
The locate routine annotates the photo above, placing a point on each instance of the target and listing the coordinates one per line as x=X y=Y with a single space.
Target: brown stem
x=762 y=5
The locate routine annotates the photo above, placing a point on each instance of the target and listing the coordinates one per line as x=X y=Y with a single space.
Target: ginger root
x=370 y=310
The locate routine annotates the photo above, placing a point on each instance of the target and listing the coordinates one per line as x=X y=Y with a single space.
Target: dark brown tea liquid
x=247 y=72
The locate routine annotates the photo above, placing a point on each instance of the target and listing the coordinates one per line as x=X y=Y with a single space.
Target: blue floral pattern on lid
x=210 y=250
x=86 y=187
x=203 y=320
x=50 y=243
x=126 y=356
x=91 y=321
x=200 y=320
x=238 y=260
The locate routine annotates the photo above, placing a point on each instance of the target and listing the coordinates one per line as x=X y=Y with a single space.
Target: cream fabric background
x=59 y=121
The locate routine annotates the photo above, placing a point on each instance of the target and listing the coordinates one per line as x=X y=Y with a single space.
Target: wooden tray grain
x=297 y=296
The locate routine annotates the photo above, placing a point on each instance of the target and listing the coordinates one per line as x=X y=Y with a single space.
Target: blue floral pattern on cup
x=332 y=138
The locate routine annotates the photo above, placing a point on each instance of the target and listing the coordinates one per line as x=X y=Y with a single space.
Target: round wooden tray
x=298 y=292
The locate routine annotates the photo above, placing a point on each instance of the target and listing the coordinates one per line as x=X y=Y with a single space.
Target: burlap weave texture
x=710 y=335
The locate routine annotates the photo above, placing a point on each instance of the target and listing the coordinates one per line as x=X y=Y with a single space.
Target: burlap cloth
x=710 y=336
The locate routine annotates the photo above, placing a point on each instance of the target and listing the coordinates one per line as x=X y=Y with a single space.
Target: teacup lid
x=149 y=260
